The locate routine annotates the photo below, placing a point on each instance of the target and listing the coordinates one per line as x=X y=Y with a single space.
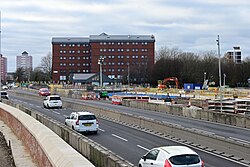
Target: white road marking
x=65 y=115
x=101 y=130
x=38 y=106
x=240 y=140
x=142 y=147
x=31 y=104
x=203 y=131
x=56 y=112
x=119 y=137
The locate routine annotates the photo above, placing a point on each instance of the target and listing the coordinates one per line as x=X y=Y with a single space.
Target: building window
x=127 y=57
x=78 y=45
x=127 y=50
x=78 y=64
x=127 y=43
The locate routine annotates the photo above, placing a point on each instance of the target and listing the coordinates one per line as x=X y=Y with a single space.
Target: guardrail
x=216 y=144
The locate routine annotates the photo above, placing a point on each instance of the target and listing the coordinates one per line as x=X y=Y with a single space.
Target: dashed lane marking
x=144 y=148
x=119 y=137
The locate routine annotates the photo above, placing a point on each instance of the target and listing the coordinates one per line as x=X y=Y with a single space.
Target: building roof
x=69 y=40
x=106 y=37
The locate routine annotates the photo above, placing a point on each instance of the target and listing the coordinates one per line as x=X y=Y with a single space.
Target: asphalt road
x=227 y=131
x=126 y=142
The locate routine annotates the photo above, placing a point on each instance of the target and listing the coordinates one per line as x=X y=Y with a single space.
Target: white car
x=82 y=122
x=171 y=156
x=52 y=101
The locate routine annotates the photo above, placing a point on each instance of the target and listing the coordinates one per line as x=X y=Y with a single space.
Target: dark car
x=4 y=95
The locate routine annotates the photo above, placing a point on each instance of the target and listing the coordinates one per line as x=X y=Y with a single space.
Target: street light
x=100 y=62
x=224 y=79
x=205 y=76
x=218 y=43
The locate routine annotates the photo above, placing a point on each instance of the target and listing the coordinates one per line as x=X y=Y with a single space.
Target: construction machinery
x=167 y=83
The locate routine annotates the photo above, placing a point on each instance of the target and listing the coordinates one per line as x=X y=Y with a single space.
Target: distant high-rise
x=234 y=55
x=3 y=68
x=24 y=61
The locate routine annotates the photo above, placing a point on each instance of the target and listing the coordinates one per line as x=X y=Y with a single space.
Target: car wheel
x=73 y=127
x=44 y=106
x=65 y=123
x=140 y=165
x=47 y=106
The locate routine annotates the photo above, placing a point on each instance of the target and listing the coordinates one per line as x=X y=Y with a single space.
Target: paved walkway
x=21 y=156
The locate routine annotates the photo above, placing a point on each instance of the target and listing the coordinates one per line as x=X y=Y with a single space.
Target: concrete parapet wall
x=45 y=147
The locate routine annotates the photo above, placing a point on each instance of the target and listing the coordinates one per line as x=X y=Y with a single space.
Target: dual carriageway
x=131 y=143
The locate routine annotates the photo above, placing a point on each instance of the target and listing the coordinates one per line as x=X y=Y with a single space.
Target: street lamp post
x=100 y=62
x=224 y=79
x=218 y=43
x=205 y=76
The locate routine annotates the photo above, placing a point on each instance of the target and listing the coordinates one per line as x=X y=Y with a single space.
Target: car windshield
x=86 y=117
x=184 y=159
x=3 y=93
x=45 y=90
x=55 y=98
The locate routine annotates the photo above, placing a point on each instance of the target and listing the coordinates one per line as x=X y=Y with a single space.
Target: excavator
x=163 y=84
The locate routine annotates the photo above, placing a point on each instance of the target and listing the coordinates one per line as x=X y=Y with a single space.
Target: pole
x=101 y=74
x=218 y=43
x=224 y=79
x=205 y=76
x=100 y=62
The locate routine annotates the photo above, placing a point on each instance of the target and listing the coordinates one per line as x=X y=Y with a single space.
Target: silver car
x=82 y=122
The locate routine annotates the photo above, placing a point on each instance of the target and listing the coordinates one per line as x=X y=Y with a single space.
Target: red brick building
x=123 y=55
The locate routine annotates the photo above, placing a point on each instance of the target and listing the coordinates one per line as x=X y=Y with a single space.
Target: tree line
x=195 y=67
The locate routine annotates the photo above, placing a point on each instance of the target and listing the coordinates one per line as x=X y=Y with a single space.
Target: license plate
x=87 y=124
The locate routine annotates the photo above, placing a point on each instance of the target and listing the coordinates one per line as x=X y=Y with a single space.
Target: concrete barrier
x=45 y=147
x=212 y=116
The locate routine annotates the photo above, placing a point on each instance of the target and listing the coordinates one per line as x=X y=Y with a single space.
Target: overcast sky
x=190 y=25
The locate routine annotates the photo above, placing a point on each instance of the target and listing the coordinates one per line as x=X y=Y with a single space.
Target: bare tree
x=46 y=63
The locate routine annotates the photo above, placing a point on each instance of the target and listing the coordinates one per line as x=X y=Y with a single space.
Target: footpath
x=20 y=154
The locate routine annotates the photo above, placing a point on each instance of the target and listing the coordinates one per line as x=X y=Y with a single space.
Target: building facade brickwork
x=120 y=53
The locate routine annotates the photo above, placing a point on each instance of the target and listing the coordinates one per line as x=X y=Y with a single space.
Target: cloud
x=189 y=25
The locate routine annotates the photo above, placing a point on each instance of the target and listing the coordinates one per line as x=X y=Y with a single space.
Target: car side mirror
x=67 y=117
x=144 y=158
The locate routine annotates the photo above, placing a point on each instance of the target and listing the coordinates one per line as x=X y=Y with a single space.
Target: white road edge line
x=119 y=137
x=101 y=130
x=142 y=147
x=65 y=115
